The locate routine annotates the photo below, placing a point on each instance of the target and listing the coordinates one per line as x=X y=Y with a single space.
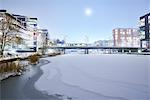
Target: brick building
x=126 y=37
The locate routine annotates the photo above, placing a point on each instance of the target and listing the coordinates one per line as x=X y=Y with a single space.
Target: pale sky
x=77 y=20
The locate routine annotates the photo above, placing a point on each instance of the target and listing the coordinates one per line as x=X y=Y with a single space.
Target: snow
x=97 y=77
x=7 y=74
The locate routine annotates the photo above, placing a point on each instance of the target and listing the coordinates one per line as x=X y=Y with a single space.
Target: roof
x=148 y=14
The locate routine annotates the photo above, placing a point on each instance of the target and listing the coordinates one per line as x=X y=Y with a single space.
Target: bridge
x=87 y=48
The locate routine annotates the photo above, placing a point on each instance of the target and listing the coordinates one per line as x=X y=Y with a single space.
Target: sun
x=88 y=11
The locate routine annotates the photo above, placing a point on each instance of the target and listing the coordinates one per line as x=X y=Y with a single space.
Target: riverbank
x=22 y=63
x=22 y=87
x=12 y=68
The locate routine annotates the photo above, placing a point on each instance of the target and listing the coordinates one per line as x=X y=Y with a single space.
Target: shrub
x=9 y=67
x=33 y=59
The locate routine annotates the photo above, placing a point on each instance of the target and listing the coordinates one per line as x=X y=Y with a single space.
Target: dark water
x=22 y=87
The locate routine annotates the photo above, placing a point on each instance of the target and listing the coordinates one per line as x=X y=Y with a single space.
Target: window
x=142 y=22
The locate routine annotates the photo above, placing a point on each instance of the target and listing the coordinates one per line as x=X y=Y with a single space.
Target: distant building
x=126 y=37
x=145 y=29
x=76 y=44
x=104 y=43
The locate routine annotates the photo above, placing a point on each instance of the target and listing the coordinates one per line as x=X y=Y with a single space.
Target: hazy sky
x=76 y=20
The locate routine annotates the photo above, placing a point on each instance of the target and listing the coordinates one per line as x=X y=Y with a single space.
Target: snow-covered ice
x=97 y=77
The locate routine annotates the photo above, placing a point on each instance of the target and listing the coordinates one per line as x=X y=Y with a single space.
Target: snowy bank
x=11 y=70
x=6 y=75
x=97 y=77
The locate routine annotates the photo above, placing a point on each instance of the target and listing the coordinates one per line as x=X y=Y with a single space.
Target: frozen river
x=97 y=77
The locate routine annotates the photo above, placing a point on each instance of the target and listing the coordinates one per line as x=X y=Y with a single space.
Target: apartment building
x=145 y=30
x=126 y=37
x=28 y=30
x=10 y=27
x=31 y=30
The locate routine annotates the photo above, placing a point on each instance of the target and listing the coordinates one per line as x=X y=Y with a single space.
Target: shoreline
x=38 y=95
x=22 y=87
x=6 y=75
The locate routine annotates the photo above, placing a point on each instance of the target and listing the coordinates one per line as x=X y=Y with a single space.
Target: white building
x=104 y=43
x=33 y=37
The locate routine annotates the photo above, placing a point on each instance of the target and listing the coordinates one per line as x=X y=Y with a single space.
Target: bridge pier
x=86 y=51
x=110 y=51
x=122 y=50
x=64 y=51
x=129 y=51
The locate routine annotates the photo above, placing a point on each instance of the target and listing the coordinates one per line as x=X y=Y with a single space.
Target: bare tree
x=9 y=27
x=44 y=43
x=18 y=40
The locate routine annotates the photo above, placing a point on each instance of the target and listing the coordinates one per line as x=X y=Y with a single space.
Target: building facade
x=31 y=31
x=145 y=30
x=10 y=29
x=42 y=38
x=76 y=44
x=104 y=43
x=126 y=37
x=33 y=36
